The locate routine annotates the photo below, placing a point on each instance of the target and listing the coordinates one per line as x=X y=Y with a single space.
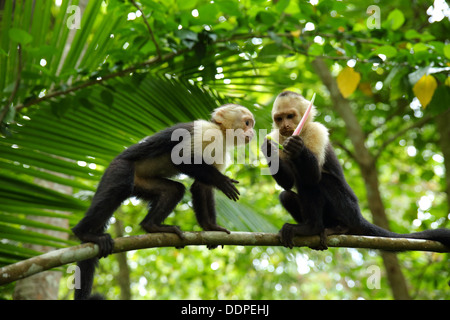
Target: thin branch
x=399 y=133
x=85 y=251
x=158 y=51
x=97 y=81
x=305 y=53
x=246 y=36
x=347 y=150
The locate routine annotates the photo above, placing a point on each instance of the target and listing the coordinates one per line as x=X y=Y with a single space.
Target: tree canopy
x=82 y=80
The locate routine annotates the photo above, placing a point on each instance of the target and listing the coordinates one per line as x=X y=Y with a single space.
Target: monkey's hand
x=293 y=146
x=227 y=186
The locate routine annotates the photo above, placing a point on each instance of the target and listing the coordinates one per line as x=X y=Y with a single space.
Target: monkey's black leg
x=114 y=187
x=209 y=175
x=164 y=195
x=291 y=202
x=204 y=206
x=309 y=214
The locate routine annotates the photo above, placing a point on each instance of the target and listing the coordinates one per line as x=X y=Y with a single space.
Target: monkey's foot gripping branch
x=85 y=251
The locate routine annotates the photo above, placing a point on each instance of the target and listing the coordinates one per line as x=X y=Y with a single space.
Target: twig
x=347 y=150
x=158 y=51
x=93 y=82
x=85 y=251
x=399 y=133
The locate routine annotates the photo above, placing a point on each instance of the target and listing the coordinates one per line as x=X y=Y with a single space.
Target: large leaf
x=424 y=89
x=49 y=52
x=347 y=81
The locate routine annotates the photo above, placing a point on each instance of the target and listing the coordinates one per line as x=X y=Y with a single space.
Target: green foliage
x=72 y=100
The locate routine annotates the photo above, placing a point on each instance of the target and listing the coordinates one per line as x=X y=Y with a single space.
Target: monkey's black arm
x=204 y=207
x=304 y=161
x=308 y=167
x=284 y=176
x=209 y=175
x=281 y=170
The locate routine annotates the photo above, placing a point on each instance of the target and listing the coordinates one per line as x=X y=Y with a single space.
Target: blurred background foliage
x=82 y=80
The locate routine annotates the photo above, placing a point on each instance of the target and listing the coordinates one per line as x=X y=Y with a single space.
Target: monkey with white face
x=144 y=171
x=323 y=203
x=287 y=112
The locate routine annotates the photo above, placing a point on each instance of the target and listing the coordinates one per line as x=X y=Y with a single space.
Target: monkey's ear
x=218 y=116
x=222 y=115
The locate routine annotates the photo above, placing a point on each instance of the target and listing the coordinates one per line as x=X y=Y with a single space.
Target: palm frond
x=52 y=52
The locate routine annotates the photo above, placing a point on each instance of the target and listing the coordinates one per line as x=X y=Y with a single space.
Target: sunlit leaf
x=296 y=33
x=447 y=51
x=424 y=89
x=388 y=51
x=20 y=36
x=395 y=19
x=447 y=81
x=347 y=81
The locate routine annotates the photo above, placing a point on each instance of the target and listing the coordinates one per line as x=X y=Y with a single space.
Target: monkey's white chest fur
x=209 y=144
x=315 y=137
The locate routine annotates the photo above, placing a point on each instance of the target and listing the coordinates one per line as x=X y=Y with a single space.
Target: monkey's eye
x=278 y=119
x=247 y=123
x=291 y=116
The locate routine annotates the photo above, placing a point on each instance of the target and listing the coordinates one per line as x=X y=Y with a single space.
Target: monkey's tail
x=87 y=270
x=441 y=235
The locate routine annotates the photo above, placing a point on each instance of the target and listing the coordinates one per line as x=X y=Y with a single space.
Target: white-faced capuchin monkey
x=323 y=203
x=195 y=149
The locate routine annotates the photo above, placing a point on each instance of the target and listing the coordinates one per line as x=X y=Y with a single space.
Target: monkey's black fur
x=324 y=203
x=119 y=182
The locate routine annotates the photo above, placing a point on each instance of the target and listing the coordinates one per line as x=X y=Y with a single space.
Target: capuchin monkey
x=196 y=149
x=323 y=203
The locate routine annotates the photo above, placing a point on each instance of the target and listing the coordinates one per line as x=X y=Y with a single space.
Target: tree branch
x=97 y=81
x=85 y=251
x=150 y=31
x=399 y=133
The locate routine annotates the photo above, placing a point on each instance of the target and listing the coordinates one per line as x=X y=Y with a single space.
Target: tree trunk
x=369 y=173
x=123 y=276
x=443 y=121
